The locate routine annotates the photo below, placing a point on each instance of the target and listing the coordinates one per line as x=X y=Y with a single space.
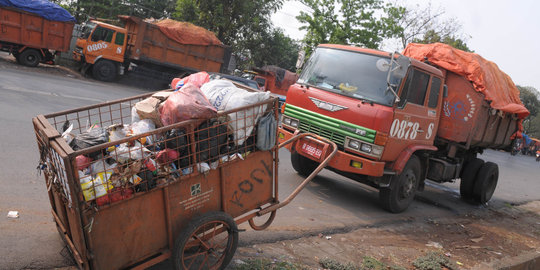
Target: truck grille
x=331 y=128
x=307 y=127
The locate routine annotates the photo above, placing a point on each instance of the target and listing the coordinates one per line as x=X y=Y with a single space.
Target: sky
x=502 y=31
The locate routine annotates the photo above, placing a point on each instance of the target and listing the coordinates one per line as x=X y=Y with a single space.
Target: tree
x=353 y=22
x=432 y=36
x=233 y=21
x=530 y=98
x=82 y=10
x=243 y=25
x=274 y=48
x=425 y=25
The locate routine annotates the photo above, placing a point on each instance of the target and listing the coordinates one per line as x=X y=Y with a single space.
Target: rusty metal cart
x=156 y=209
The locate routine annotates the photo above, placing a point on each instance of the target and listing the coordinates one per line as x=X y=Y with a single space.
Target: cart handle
x=321 y=166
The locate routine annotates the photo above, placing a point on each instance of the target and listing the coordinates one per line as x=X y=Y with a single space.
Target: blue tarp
x=43 y=8
x=527 y=139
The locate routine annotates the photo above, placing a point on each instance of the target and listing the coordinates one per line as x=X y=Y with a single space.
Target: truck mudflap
x=341 y=161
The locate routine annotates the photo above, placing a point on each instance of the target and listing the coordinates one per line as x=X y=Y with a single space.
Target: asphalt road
x=329 y=204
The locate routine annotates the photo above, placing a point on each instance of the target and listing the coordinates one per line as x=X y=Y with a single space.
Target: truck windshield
x=357 y=75
x=87 y=30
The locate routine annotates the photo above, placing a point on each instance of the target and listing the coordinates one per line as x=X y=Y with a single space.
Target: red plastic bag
x=115 y=195
x=190 y=103
x=82 y=162
x=198 y=79
x=167 y=156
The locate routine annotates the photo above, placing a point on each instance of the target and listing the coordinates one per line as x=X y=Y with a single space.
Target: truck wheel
x=29 y=57
x=486 y=182
x=400 y=194
x=104 y=70
x=468 y=177
x=207 y=242
x=302 y=165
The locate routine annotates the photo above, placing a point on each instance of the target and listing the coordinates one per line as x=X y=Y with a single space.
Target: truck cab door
x=416 y=116
x=101 y=45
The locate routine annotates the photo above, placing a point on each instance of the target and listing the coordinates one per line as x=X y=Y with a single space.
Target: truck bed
x=467 y=118
x=23 y=28
x=149 y=44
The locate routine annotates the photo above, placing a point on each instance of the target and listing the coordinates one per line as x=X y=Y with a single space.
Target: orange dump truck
x=34 y=32
x=274 y=79
x=162 y=50
x=399 y=119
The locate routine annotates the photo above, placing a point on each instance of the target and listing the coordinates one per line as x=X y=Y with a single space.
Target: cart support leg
x=309 y=178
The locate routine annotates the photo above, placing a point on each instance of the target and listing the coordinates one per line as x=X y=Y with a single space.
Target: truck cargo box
x=149 y=43
x=24 y=28
x=469 y=119
x=483 y=108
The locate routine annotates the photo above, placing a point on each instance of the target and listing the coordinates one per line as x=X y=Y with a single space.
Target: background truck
x=398 y=121
x=162 y=50
x=274 y=79
x=34 y=31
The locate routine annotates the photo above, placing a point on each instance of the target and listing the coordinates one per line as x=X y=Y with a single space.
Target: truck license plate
x=312 y=150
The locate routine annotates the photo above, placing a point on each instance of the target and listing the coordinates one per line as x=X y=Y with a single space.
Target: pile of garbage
x=160 y=145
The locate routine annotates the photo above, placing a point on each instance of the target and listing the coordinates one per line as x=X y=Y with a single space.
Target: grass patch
x=332 y=264
x=266 y=264
x=370 y=263
x=434 y=261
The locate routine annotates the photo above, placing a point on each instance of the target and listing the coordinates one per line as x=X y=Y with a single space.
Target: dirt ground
x=487 y=239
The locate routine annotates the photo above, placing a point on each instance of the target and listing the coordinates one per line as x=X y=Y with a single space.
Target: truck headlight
x=290 y=121
x=78 y=50
x=354 y=144
x=364 y=148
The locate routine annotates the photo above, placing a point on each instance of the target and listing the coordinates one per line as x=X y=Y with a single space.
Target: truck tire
x=486 y=182
x=29 y=57
x=104 y=70
x=302 y=165
x=400 y=194
x=468 y=177
x=201 y=244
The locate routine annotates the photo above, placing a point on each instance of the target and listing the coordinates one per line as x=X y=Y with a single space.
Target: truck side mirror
x=445 y=91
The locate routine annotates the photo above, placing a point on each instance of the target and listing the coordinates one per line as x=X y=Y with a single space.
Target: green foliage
x=530 y=98
x=243 y=25
x=353 y=22
x=82 y=10
x=332 y=264
x=231 y=20
x=434 y=261
x=372 y=264
x=431 y=36
x=424 y=24
x=265 y=264
x=274 y=48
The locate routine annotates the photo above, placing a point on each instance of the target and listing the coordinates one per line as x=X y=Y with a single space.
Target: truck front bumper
x=342 y=161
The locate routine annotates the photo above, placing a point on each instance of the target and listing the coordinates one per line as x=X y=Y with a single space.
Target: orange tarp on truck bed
x=485 y=75
x=187 y=33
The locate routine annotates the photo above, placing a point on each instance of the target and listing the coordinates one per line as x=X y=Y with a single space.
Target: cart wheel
x=265 y=225
x=207 y=242
x=402 y=188
x=302 y=165
x=468 y=177
x=485 y=184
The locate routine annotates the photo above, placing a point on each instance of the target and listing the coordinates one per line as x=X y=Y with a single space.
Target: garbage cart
x=141 y=196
